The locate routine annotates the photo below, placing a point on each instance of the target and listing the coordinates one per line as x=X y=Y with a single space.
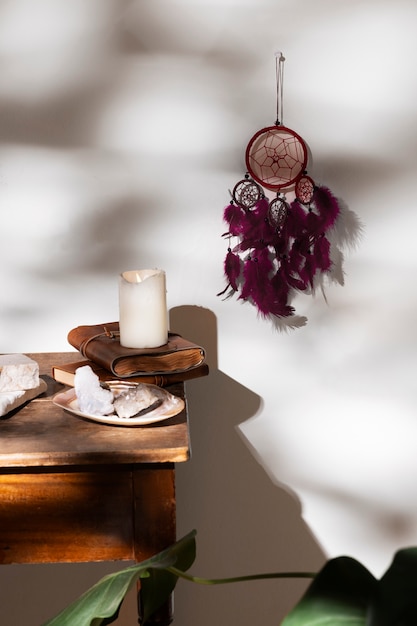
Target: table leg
x=154 y=518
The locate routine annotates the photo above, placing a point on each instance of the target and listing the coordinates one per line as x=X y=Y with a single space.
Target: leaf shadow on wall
x=245 y=523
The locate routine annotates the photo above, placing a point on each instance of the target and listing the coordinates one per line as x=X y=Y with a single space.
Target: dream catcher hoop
x=289 y=243
x=276 y=157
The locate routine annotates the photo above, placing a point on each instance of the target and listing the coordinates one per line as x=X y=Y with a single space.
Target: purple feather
x=290 y=271
x=256 y=226
x=268 y=294
x=308 y=272
x=314 y=225
x=296 y=219
x=232 y=268
x=327 y=206
x=280 y=286
x=322 y=254
x=256 y=272
x=281 y=242
x=234 y=216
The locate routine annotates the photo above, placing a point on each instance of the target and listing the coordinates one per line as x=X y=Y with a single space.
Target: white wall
x=123 y=125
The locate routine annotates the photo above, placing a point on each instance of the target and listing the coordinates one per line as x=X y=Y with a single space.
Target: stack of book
x=99 y=346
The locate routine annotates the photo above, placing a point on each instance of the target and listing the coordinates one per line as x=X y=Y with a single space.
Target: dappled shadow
x=97 y=247
x=123 y=124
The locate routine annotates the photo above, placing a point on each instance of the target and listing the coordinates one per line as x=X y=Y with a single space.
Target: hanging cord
x=279 y=71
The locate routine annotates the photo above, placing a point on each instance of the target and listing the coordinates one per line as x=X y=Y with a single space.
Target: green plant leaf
x=101 y=603
x=395 y=599
x=339 y=595
x=156 y=588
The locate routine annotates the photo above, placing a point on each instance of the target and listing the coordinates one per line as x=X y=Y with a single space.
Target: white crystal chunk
x=91 y=397
x=18 y=372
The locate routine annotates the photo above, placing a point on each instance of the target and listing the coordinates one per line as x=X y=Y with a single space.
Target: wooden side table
x=73 y=490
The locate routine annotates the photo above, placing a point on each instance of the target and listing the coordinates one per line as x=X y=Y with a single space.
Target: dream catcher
x=286 y=233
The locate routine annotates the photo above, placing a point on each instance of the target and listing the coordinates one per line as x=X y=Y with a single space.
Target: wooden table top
x=41 y=434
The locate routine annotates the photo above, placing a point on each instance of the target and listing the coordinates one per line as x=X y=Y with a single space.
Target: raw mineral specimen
x=139 y=399
x=18 y=372
x=91 y=397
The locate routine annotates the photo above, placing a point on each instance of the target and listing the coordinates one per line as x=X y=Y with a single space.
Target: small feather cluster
x=271 y=263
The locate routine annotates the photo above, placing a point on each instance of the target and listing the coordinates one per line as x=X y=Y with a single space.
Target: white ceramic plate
x=171 y=405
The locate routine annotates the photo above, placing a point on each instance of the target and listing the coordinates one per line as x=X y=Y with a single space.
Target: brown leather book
x=100 y=343
x=64 y=373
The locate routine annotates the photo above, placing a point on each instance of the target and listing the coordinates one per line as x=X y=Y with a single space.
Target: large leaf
x=339 y=595
x=101 y=603
x=395 y=599
x=156 y=588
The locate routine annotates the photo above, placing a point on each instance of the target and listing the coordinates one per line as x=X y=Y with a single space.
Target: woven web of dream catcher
x=276 y=157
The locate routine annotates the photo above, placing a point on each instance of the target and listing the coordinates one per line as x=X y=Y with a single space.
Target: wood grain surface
x=41 y=434
x=73 y=490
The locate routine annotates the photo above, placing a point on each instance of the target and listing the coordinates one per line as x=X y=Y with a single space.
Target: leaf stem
x=238 y=579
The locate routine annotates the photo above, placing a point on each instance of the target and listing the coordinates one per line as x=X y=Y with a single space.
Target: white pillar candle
x=142 y=308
